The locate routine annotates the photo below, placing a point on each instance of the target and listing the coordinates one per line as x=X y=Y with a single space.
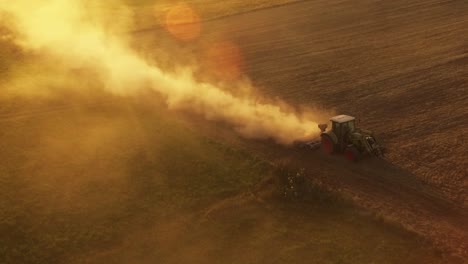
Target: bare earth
x=401 y=67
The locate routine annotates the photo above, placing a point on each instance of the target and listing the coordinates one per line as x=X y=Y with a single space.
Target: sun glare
x=183 y=22
x=225 y=60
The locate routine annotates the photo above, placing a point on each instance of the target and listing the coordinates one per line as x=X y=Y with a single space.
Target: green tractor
x=345 y=137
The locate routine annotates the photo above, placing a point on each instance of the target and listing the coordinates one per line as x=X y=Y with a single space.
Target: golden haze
x=78 y=36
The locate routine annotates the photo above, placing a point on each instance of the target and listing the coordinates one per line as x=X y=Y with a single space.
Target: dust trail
x=81 y=37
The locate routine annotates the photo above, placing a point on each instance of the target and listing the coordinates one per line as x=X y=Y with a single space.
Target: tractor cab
x=342 y=126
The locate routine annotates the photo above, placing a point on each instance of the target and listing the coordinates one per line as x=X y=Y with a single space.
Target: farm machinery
x=343 y=138
x=346 y=138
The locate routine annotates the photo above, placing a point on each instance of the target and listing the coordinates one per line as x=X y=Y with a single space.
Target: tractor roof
x=342 y=118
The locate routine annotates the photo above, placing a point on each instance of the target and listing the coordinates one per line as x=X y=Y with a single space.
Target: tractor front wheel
x=352 y=154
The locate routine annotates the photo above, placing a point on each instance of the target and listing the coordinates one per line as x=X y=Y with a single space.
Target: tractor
x=345 y=137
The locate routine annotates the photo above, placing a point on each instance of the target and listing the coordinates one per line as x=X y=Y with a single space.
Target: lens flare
x=225 y=60
x=183 y=22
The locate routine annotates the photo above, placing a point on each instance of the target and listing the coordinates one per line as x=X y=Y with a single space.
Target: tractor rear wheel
x=352 y=154
x=327 y=144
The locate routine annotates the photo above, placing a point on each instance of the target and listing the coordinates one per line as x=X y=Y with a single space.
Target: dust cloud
x=76 y=35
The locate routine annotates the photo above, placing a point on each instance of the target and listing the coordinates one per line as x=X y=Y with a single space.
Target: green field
x=125 y=182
